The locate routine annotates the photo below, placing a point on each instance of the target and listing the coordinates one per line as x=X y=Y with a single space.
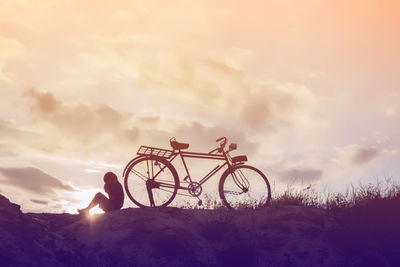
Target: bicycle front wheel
x=151 y=182
x=244 y=186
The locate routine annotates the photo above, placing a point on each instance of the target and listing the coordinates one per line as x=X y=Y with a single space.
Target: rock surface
x=275 y=236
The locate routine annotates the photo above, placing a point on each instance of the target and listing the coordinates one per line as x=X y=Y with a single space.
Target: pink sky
x=310 y=90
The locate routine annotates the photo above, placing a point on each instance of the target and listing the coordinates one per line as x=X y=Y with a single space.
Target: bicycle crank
x=195 y=189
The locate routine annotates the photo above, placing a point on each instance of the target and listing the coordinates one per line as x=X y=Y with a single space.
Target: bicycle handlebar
x=223 y=143
x=220 y=139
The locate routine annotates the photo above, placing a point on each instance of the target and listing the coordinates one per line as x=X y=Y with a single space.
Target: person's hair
x=110 y=178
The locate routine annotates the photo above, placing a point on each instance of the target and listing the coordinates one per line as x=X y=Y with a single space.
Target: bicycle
x=150 y=179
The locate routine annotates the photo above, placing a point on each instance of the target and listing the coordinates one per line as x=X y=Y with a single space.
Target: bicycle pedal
x=200 y=203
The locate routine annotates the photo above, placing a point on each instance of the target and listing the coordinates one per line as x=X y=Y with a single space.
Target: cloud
x=84 y=123
x=357 y=155
x=152 y=120
x=34 y=180
x=99 y=127
x=212 y=86
x=203 y=137
x=272 y=105
x=9 y=49
x=41 y=202
x=45 y=102
x=7 y=150
x=14 y=137
x=8 y=129
x=363 y=155
x=303 y=175
x=191 y=78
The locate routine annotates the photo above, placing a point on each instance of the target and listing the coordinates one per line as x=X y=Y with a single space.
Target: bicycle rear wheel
x=244 y=186
x=151 y=182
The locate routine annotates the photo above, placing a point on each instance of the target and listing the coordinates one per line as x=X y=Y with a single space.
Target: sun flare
x=85 y=197
x=95 y=210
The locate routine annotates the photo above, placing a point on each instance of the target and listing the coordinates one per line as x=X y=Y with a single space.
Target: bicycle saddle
x=178 y=146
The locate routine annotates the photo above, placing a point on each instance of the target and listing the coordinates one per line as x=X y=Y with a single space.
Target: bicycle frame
x=224 y=157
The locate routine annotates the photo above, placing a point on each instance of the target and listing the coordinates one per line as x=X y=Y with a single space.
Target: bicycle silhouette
x=152 y=181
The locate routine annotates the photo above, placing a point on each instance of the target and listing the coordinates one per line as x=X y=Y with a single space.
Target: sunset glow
x=309 y=90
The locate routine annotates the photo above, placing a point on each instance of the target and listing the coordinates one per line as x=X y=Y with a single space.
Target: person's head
x=110 y=178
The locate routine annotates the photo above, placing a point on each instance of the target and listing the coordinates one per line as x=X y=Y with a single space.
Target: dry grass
x=354 y=196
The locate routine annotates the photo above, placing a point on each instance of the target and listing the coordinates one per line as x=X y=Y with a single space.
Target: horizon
x=309 y=91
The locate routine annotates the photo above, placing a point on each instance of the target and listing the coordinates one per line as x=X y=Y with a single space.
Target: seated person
x=115 y=192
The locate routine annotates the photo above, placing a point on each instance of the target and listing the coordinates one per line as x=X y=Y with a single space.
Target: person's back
x=115 y=193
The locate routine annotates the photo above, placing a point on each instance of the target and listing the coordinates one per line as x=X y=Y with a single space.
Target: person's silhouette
x=115 y=192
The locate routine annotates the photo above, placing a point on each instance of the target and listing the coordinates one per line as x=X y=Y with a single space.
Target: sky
x=309 y=90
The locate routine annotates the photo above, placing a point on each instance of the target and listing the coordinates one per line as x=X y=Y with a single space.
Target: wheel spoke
x=141 y=176
x=166 y=185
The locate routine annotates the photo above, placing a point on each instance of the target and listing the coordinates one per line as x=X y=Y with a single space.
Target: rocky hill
x=274 y=236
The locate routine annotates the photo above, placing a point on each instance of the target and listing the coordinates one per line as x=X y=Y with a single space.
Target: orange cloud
x=214 y=88
x=9 y=49
x=84 y=123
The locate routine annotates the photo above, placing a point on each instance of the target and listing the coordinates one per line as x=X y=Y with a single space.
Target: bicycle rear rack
x=159 y=152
